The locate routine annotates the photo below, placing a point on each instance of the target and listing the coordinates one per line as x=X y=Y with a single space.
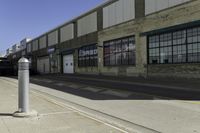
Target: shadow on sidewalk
x=6 y=114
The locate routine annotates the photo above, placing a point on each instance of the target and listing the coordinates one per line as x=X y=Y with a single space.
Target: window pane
x=132 y=58
x=86 y=56
x=154 y=41
x=125 y=45
x=179 y=54
x=112 y=47
x=131 y=44
x=166 y=39
x=112 y=59
x=154 y=56
x=118 y=59
x=107 y=60
x=166 y=55
x=118 y=46
x=117 y=52
x=193 y=52
x=125 y=58
x=179 y=37
x=106 y=49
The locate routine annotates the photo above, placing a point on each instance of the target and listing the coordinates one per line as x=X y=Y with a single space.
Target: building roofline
x=76 y=18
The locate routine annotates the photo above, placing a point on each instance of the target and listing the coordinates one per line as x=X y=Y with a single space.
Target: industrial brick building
x=123 y=38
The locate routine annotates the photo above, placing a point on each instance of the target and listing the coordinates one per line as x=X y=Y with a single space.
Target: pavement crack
x=56 y=113
x=6 y=126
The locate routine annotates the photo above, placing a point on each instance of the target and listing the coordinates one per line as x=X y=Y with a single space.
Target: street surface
x=129 y=107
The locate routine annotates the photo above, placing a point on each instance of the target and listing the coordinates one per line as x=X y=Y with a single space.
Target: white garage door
x=43 y=65
x=68 y=64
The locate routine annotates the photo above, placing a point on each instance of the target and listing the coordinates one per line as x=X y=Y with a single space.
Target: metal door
x=43 y=65
x=68 y=64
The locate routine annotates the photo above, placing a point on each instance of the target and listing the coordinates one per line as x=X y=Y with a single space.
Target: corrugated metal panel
x=53 y=38
x=87 y=24
x=161 y=4
x=42 y=42
x=105 y=17
x=128 y=11
x=67 y=32
x=112 y=14
x=35 y=45
x=118 y=12
x=29 y=47
x=157 y=5
x=23 y=52
x=175 y=2
x=43 y=65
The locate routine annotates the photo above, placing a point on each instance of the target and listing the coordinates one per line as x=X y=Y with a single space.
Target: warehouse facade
x=123 y=38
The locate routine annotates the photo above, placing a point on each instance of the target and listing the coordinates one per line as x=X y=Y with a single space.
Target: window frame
x=188 y=55
x=107 y=55
x=88 y=60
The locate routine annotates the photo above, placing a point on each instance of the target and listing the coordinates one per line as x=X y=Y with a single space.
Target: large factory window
x=181 y=46
x=119 y=52
x=87 y=56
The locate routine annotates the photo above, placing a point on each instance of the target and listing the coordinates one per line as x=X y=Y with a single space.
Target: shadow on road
x=113 y=91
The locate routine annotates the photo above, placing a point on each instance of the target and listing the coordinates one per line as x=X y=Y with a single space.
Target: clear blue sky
x=31 y=18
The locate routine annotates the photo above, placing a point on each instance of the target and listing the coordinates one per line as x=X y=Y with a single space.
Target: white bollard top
x=23 y=60
x=23 y=64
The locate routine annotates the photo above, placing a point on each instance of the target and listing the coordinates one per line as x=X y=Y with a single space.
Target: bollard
x=23 y=85
x=23 y=90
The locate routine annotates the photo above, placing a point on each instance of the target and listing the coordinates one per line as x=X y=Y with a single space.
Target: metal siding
x=35 y=45
x=87 y=24
x=113 y=14
x=53 y=38
x=126 y=9
x=105 y=17
x=118 y=12
x=29 y=47
x=161 y=4
x=67 y=32
x=43 y=42
x=132 y=9
x=152 y=6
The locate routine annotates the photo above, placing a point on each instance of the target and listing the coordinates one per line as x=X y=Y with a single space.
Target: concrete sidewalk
x=166 y=116
x=52 y=117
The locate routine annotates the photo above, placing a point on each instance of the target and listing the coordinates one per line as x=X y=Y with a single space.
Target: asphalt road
x=138 y=91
